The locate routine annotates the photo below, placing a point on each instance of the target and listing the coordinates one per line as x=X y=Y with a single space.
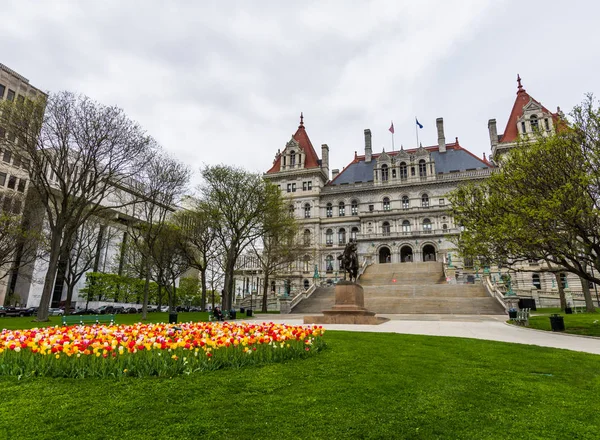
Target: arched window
x=329 y=237
x=422 y=168
x=342 y=236
x=386 y=204
x=307 y=237
x=306 y=284
x=384 y=172
x=342 y=209
x=354 y=207
x=385 y=227
x=354 y=233
x=425 y=201
x=292 y=158
x=307 y=210
x=329 y=264
x=405 y=202
x=291 y=210
x=535 y=280
x=533 y=120
x=406 y=227
x=426 y=226
x=403 y=171
x=393 y=173
x=329 y=210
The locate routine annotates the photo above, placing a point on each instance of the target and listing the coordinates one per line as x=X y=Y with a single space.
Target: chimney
x=493 y=134
x=325 y=159
x=368 y=150
x=441 y=138
x=334 y=173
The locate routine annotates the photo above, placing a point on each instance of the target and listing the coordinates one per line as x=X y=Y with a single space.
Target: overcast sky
x=225 y=82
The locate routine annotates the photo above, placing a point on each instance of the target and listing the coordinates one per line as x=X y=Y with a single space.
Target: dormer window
x=533 y=120
x=403 y=171
x=292 y=158
x=422 y=168
x=384 y=172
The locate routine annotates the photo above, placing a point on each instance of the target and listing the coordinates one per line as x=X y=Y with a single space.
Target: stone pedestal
x=349 y=308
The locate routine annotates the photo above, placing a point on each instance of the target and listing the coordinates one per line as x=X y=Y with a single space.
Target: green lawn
x=365 y=385
x=29 y=322
x=587 y=324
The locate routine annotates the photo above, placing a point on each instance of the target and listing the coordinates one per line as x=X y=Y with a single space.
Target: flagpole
x=393 y=142
x=417 y=131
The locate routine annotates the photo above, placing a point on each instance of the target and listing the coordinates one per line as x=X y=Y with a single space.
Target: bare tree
x=83 y=157
x=89 y=238
x=198 y=227
x=162 y=183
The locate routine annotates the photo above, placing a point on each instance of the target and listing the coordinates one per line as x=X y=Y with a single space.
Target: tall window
x=291 y=210
x=533 y=120
x=354 y=233
x=10 y=96
x=403 y=171
x=329 y=210
x=2 y=88
x=425 y=201
x=422 y=168
x=523 y=127
x=329 y=237
x=385 y=228
x=342 y=209
x=12 y=182
x=292 y=158
x=405 y=202
x=386 y=204
x=307 y=237
x=546 y=124
x=354 y=208
x=535 y=280
x=306 y=264
x=329 y=263
x=2 y=179
x=7 y=156
x=342 y=236
x=22 y=184
x=426 y=226
x=406 y=227
x=384 y=172
x=307 y=210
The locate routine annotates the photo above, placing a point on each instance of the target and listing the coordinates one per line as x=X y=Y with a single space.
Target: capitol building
x=394 y=204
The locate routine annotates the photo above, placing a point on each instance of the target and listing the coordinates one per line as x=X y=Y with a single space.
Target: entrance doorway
x=428 y=253
x=385 y=256
x=406 y=254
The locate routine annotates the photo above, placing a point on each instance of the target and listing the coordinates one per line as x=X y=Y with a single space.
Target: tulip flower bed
x=151 y=349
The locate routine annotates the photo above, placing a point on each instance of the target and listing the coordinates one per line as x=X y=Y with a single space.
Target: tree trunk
x=561 y=292
x=589 y=302
x=203 y=285
x=265 y=291
x=146 y=294
x=42 y=315
x=70 y=288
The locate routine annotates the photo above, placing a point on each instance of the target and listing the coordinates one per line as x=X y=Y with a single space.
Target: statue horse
x=349 y=261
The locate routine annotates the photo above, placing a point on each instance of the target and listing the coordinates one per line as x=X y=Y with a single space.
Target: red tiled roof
x=311 y=160
x=510 y=132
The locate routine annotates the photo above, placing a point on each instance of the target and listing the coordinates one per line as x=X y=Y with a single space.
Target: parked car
x=164 y=309
x=152 y=309
x=56 y=312
x=106 y=310
x=86 y=312
x=15 y=311
x=120 y=309
x=130 y=310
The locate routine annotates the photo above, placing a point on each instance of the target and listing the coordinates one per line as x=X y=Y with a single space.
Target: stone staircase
x=418 y=288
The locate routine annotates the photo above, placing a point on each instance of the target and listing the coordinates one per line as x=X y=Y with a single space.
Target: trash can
x=248 y=312
x=557 y=322
x=512 y=314
x=568 y=310
x=172 y=318
x=242 y=310
x=232 y=314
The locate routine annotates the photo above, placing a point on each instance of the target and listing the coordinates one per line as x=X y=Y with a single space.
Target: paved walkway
x=492 y=328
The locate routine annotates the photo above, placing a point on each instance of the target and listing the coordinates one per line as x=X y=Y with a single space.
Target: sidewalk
x=492 y=328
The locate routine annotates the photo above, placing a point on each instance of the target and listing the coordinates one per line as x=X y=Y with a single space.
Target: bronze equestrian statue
x=349 y=261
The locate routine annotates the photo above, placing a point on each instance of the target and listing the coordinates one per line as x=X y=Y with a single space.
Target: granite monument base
x=349 y=308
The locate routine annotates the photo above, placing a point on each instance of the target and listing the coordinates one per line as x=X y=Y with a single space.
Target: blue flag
x=418 y=123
